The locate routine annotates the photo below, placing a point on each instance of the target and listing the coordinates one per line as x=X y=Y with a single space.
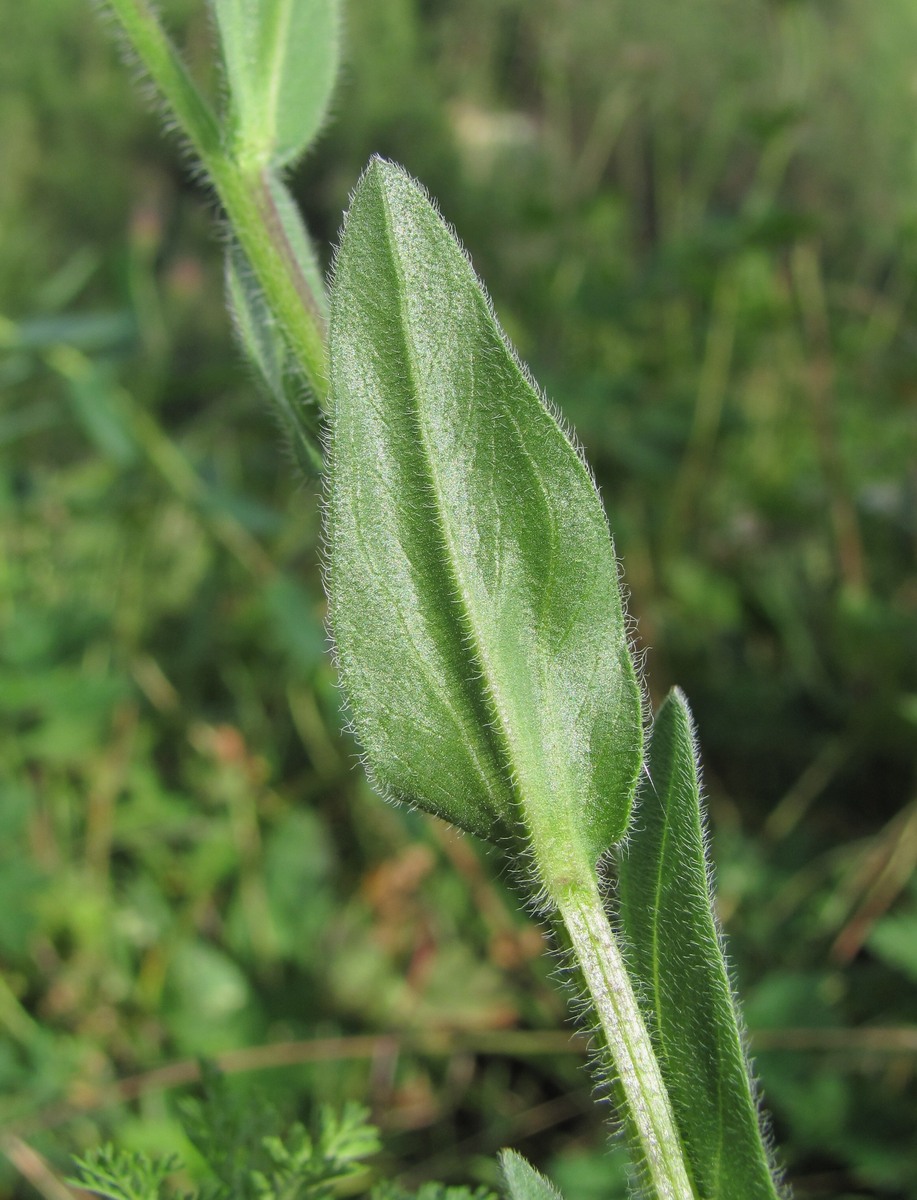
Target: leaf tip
x=675 y=713
x=522 y=1181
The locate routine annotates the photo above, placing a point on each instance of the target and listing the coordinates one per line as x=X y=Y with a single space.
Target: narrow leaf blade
x=676 y=955
x=472 y=579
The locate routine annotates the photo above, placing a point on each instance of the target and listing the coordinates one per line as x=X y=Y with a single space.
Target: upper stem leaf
x=281 y=62
x=472 y=579
x=675 y=954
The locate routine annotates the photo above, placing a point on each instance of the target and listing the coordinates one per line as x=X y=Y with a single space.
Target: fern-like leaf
x=118 y=1174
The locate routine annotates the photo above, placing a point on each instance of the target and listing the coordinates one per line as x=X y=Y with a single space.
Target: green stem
x=245 y=195
x=648 y=1108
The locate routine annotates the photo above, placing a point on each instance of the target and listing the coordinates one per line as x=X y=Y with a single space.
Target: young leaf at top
x=473 y=583
x=676 y=955
x=281 y=62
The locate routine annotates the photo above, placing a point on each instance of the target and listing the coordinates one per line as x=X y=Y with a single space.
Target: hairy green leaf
x=472 y=579
x=677 y=958
x=281 y=62
x=523 y=1182
x=117 y=1174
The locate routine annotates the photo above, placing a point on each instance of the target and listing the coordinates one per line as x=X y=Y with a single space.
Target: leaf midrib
x=277 y=47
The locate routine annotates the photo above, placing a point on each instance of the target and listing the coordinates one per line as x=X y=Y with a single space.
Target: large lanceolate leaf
x=281 y=62
x=472 y=579
x=675 y=953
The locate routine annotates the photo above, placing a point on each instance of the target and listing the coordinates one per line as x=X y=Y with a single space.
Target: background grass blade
x=675 y=953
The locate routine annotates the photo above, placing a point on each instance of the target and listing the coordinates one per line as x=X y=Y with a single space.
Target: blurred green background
x=699 y=226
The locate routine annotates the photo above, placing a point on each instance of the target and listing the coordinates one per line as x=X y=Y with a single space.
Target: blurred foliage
x=241 y=1152
x=699 y=225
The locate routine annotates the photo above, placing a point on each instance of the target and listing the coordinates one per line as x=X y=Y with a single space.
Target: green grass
x=701 y=235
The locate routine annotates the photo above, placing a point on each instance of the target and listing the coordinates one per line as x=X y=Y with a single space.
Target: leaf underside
x=473 y=584
x=676 y=956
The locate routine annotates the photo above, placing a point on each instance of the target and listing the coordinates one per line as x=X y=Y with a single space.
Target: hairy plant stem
x=244 y=193
x=647 y=1107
